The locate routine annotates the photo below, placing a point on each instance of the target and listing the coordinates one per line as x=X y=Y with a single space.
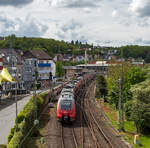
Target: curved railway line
x=101 y=139
x=88 y=131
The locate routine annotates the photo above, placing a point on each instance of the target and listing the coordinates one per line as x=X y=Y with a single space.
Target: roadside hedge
x=25 y=120
x=2 y=146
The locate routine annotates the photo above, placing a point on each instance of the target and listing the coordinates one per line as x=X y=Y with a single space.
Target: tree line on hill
x=52 y=46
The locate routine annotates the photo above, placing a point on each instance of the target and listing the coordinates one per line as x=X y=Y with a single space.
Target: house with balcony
x=38 y=65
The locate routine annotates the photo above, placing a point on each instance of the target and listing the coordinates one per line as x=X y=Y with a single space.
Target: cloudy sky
x=103 y=22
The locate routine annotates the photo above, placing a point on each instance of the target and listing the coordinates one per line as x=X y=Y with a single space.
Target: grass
x=145 y=140
x=129 y=127
x=111 y=113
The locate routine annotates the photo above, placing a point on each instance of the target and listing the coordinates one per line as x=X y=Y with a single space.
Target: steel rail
x=74 y=138
x=62 y=139
x=100 y=129
x=82 y=130
x=91 y=131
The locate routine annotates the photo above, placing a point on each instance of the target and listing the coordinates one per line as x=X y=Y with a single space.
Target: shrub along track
x=88 y=131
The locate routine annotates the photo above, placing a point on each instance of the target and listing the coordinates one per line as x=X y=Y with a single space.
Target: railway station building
x=99 y=66
x=72 y=71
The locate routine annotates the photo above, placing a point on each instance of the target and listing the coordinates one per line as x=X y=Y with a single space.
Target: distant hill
x=52 y=46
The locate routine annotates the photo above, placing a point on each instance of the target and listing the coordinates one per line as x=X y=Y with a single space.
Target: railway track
x=99 y=137
x=108 y=141
x=91 y=130
x=106 y=137
x=68 y=134
x=62 y=138
x=81 y=128
x=74 y=138
x=88 y=131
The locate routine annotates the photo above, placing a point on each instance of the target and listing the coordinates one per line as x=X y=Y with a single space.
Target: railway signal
x=50 y=76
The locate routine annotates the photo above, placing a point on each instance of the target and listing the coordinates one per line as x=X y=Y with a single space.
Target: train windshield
x=66 y=104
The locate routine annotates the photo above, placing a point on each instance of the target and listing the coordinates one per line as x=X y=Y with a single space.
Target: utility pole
x=16 y=75
x=50 y=83
x=85 y=57
x=10 y=55
x=16 y=100
x=35 y=88
x=120 y=104
x=122 y=81
x=36 y=122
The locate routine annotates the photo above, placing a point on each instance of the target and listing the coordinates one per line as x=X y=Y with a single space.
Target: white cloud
x=74 y=3
x=87 y=10
x=114 y=13
x=100 y=21
x=140 y=7
x=14 y=3
x=22 y=27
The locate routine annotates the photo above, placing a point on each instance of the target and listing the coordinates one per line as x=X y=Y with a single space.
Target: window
x=66 y=105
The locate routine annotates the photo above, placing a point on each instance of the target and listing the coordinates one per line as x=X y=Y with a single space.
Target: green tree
x=101 y=87
x=141 y=107
x=59 y=69
x=113 y=81
x=135 y=75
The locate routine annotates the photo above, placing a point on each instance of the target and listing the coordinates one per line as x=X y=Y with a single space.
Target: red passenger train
x=66 y=107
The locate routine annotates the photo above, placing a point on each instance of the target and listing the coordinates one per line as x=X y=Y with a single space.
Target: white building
x=38 y=62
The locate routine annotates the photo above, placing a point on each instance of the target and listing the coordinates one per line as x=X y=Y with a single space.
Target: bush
x=25 y=121
x=101 y=87
x=129 y=109
x=2 y=146
x=20 y=117
x=141 y=107
x=12 y=130
x=15 y=141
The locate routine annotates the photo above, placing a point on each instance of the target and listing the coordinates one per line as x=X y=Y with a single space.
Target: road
x=7 y=116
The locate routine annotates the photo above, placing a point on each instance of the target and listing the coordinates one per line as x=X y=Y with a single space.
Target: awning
x=5 y=76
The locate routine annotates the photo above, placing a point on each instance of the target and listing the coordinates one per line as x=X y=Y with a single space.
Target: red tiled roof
x=39 y=54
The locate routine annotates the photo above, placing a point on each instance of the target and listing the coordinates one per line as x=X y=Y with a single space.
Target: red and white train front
x=66 y=107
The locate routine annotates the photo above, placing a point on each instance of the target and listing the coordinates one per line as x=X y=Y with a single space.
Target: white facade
x=44 y=67
x=53 y=68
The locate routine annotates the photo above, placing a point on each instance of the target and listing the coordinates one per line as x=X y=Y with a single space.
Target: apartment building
x=37 y=63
